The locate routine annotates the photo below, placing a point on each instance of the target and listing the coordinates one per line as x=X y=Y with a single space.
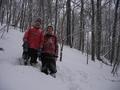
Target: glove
x=56 y=56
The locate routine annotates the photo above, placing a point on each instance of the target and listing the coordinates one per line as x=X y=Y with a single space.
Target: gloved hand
x=56 y=56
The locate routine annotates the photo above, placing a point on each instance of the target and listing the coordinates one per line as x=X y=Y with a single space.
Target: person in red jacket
x=34 y=38
x=49 y=52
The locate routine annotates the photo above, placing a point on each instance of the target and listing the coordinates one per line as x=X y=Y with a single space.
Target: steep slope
x=73 y=72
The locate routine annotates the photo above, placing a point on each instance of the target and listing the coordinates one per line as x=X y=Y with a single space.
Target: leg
x=25 y=57
x=33 y=56
x=52 y=66
x=44 y=68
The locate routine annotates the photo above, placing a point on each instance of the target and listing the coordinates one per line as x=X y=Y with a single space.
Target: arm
x=26 y=35
x=25 y=38
x=25 y=41
x=41 y=39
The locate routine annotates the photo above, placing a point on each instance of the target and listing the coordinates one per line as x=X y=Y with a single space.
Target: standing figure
x=33 y=39
x=49 y=52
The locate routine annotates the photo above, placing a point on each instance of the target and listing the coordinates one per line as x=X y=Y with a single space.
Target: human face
x=37 y=25
x=50 y=30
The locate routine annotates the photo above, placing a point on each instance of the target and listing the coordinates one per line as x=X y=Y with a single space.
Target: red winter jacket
x=50 y=45
x=34 y=37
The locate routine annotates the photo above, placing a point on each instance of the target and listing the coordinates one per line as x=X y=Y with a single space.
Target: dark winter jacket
x=50 y=45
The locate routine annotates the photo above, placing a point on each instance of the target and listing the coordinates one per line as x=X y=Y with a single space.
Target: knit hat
x=38 y=20
x=50 y=26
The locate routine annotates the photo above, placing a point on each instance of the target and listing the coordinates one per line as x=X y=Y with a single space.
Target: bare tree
x=43 y=13
x=30 y=11
x=93 y=31
x=81 y=46
x=68 y=10
x=0 y=3
x=2 y=11
x=98 y=29
x=56 y=14
x=73 y=24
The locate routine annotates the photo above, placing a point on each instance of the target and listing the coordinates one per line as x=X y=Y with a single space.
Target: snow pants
x=32 y=56
x=48 y=64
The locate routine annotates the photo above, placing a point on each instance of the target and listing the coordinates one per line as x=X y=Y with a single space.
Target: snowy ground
x=73 y=72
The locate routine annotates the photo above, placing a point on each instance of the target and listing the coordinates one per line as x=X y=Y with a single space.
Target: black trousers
x=25 y=56
x=48 y=64
x=32 y=55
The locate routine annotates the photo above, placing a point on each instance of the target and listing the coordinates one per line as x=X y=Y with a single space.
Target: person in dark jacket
x=33 y=39
x=49 y=52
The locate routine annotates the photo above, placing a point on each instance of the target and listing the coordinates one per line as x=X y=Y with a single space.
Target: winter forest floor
x=73 y=72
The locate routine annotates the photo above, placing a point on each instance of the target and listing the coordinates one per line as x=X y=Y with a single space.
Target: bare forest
x=91 y=26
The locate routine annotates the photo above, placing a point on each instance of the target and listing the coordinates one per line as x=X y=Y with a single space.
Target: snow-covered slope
x=73 y=72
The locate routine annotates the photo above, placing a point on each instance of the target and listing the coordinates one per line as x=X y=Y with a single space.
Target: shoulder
x=29 y=28
x=40 y=30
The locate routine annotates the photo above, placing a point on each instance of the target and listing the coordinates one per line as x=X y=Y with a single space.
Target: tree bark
x=81 y=46
x=68 y=10
x=56 y=14
x=30 y=12
x=93 y=31
x=99 y=29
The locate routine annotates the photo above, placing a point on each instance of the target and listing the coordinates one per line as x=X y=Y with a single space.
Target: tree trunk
x=56 y=10
x=22 y=16
x=81 y=46
x=2 y=15
x=9 y=14
x=43 y=14
x=30 y=12
x=14 y=12
x=68 y=10
x=93 y=31
x=62 y=37
x=99 y=29
x=114 y=32
x=73 y=26
x=0 y=4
